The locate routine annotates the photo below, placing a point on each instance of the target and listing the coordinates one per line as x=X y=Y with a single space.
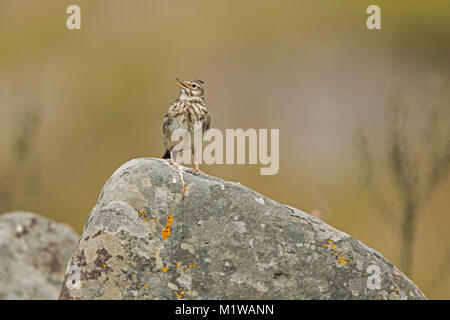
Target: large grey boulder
x=142 y=240
x=34 y=252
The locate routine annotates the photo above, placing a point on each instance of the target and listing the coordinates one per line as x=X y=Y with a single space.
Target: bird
x=184 y=113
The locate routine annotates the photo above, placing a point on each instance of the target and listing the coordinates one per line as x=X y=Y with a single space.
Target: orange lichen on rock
x=166 y=231
x=181 y=267
x=180 y=294
x=143 y=215
x=137 y=260
x=341 y=259
x=340 y=256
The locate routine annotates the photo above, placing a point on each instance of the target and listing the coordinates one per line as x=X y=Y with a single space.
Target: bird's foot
x=174 y=164
x=196 y=168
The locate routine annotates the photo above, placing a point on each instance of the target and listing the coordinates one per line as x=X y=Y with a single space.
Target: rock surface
x=34 y=252
x=222 y=241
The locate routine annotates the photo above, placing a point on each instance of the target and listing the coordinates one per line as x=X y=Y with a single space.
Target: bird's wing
x=206 y=123
x=166 y=122
x=168 y=119
x=167 y=128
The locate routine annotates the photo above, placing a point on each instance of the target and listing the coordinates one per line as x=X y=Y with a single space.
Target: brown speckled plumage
x=189 y=108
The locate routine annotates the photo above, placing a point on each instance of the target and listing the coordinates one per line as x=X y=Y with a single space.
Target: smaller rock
x=34 y=252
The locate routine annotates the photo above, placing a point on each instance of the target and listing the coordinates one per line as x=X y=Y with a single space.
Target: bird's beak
x=181 y=84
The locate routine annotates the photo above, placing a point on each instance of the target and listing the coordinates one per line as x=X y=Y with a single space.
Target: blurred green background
x=75 y=105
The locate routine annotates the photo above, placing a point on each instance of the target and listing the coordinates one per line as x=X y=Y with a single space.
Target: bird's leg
x=196 y=169
x=172 y=162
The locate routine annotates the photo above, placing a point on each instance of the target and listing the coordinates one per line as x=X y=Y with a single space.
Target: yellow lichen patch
x=340 y=257
x=104 y=265
x=165 y=269
x=326 y=245
x=181 y=267
x=166 y=231
x=143 y=215
x=137 y=260
x=395 y=288
x=141 y=286
x=180 y=293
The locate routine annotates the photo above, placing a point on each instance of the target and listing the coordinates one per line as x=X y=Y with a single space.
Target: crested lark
x=183 y=114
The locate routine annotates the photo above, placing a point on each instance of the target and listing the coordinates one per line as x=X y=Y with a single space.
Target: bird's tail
x=166 y=155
